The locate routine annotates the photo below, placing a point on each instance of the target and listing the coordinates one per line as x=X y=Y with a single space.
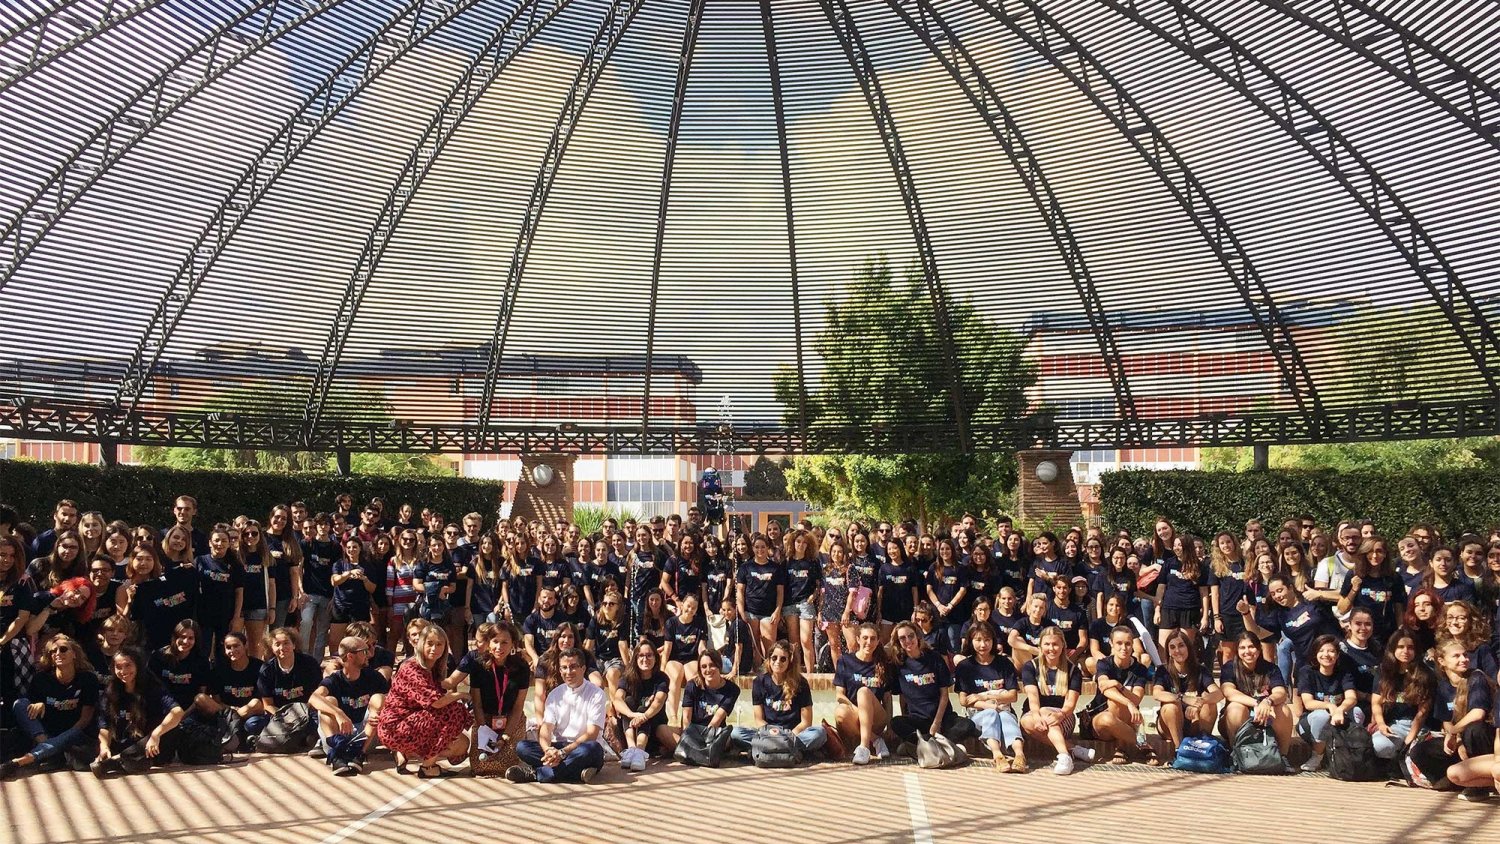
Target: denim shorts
x=256 y=615
x=805 y=610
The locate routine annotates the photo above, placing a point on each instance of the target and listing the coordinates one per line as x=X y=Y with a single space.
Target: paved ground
x=287 y=799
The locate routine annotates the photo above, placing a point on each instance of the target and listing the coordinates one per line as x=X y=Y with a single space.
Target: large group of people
x=362 y=629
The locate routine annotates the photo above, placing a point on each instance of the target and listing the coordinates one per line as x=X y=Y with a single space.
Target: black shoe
x=359 y=763
x=1475 y=794
x=347 y=769
x=520 y=773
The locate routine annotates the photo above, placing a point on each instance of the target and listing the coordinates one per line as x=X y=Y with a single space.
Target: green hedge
x=1203 y=503
x=144 y=494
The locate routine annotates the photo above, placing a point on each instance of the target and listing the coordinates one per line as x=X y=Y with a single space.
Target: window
x=641 y=491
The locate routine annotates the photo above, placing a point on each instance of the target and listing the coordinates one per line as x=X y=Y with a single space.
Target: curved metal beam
x=1218 y=52
x=611 y=30
x=778 y=103
x=318 y=109
x=674 y=127
x=1403 y=54
x=1038 y=31
x=520 y=27
x=955 y=58
x=56 y=31
x=863 y=68
x=231 y=42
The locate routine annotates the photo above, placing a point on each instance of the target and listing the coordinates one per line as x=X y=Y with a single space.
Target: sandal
x=1002 y=763
x=1119 y=758
x=439 y=773
x=403 y=766
x=1018 y=765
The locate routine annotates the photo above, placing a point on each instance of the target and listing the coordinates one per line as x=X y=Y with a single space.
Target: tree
x=283 y=404
x=885 y=363
x=765 y=480
x=1406 y=455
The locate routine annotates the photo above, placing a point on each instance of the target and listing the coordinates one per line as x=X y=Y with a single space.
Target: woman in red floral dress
x=419 y=720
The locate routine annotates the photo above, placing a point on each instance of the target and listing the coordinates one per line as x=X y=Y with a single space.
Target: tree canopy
x=884 y=361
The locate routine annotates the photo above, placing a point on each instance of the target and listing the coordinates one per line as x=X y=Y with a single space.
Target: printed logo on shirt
x=7 y=600
x=254 y=568
x=294 y=692
x=949 y=580
x=778 y=703
x=218 y=576
x=898 y=579
x=359 y=702
x=1379 y=596
x=239 y=691
x=995 y=685
x=1300 y=620
x=976 y=584
x=172 y=600
x=798 y=572
x=62 y=704
x=866 y=680
x=834 y=581
x=762 y=576
x=927 y=679
x=175 y=679
x=688 y=638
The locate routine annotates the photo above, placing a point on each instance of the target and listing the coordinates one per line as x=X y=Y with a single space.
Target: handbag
x=1255 y=751
x=702 y=746
x=834 y=748
x=775 y=747
x=1086 y=715
x=859 y=601
x=493 y=753
x=1201 y=755
x=939 y=751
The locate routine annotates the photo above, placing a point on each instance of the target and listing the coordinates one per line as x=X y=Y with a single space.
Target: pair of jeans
x=54 y=745
x=997 y=725
x=316 y=613
x=811 y=738
x=1287 y=659
x=954 y=631
x=590 y=754
x=1387 y=747
x=1315 y=723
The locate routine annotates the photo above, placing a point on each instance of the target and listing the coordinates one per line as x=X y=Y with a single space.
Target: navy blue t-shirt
x=853 y=673
x=648 y=689
x=1364 y=665
x=284 y=687
x=702 y=702
x=1461 y=589
x=1180 y=684
x=972 y=678
x=1302 y=623
x=1480 y=697
x=946 y=587
x=255 y=575
x=606 y=640
x=521 y=587
x=984 y=583
x=1324 y=687
x=1384 y=597
x=646 y=572
x=184 y=679
x=868 y=567
x=541 y=629
x=685 y=579
x=1072 y=621
x=896 y=585
x=353 y=696
x=1031 y=677
x=1182 y=593
x=921 y=682
x=1231 y=589
x=317 y=566
x=1051 y=568
x=1270 y=677
x=350 y=597
x=599 y=575
x=802 y=579
x=768 y=694
x=14 y=600
x=557 y=572
x=217 y=581
x=63 y=703
x=231 y=687
x=161 y=603
x=759 y=583
x=686 y=638
x=718 y=580
x=1135 y=675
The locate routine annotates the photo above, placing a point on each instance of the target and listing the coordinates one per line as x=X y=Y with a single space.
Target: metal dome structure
x=613 y=225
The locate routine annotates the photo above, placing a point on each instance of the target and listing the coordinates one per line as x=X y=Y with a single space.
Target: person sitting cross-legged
x=567 y=747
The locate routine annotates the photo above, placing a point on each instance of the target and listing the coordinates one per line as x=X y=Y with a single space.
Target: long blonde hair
x=1064 y=665
x=792 y=682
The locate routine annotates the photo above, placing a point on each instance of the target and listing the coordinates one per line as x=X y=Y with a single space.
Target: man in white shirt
x=567 y=749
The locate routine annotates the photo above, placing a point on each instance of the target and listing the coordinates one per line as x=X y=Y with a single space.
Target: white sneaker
x=882 y=750
x=1063 y=766
x=861 y=755
x=1082 y=754
x=638 y=761
x=609 y=752
x=1313 y=763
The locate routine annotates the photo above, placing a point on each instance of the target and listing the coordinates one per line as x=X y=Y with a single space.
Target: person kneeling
x=567 y=749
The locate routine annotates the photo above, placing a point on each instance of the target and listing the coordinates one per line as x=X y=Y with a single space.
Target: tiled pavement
x=295 y=799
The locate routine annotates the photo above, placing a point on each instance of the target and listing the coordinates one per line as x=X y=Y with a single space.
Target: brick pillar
x=551 y=502
x=1056 y=501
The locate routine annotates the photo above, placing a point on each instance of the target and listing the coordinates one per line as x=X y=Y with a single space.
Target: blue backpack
x=1202 y=755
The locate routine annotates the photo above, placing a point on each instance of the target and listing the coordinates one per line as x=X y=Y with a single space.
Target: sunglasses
x=249 y=533
x=59 y=650
x=779 y=659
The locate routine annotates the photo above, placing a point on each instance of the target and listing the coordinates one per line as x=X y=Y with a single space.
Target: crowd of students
x=124 y=647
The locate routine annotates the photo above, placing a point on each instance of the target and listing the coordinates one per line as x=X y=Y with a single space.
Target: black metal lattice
x=623 y=225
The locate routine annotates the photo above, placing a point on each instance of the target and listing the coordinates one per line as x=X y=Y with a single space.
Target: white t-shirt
x=570 y=711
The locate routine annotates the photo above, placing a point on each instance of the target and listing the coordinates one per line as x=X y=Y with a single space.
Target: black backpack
x=1351 y=755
